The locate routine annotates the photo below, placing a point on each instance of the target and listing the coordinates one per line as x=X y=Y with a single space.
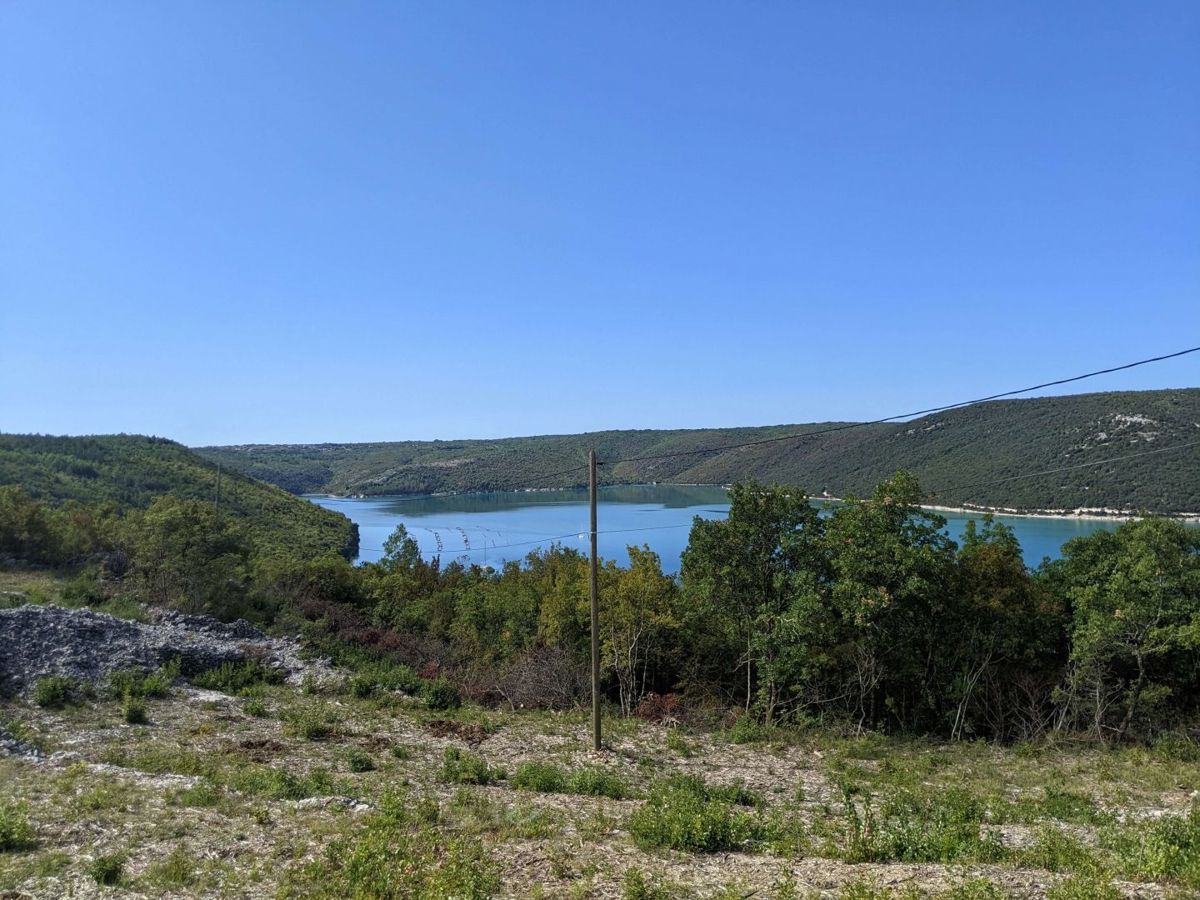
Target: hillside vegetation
x=131 y=472
x=985 y=455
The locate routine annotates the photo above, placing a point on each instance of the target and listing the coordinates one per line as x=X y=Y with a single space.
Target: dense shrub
x=359 y=761
x=136 y=683
x=134 y=711
x=546 y=778
x=441 y=694
x=682 y=814
x=55 y=691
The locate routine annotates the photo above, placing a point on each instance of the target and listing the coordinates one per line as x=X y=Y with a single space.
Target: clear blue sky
x=255 y=221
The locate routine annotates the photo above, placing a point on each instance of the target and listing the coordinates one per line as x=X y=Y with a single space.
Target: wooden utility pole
x=595 y=594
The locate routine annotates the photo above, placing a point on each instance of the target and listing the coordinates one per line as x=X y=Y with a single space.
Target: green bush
x=464 y=767
x=255 y=707
x=546 y=778
x=15 y=831
x=314 y=722
x=108 y=870
x=359 y=761
x=134 y=710
x=441 y=694
x=234 y=678
x=681 y=814
x=597 y=782
x=139 y=684
x=55 y=691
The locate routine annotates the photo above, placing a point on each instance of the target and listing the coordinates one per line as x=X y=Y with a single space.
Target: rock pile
x=36 y=641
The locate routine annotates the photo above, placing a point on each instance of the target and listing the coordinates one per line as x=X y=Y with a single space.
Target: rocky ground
x=220 y=795
x=37 y=641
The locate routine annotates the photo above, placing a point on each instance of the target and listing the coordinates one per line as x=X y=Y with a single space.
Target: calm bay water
x=494 y=528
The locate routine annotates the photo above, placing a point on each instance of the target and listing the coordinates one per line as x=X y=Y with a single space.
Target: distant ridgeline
x=986 y=455
x=131 y=471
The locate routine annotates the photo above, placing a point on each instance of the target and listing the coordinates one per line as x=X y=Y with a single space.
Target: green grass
x=548 y=778
x=397 y=854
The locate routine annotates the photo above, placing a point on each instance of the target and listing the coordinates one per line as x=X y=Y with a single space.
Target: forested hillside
x=131 y=471
x=989 y=454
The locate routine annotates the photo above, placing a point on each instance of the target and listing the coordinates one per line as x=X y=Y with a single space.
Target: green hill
x=131 y=471
x=988 y=454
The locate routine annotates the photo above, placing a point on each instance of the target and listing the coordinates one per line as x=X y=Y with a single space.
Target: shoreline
x=1092 y=514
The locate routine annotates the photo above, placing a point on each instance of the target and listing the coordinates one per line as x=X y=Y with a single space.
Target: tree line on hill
x=1006 y=454
x=107 y=476
x=871 y=617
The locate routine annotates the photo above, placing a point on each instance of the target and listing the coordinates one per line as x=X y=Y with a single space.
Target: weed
x=464 y=767
x=178 y=869
x=15 y=831
x=1166 y=849
x=1059 y=852
x=538 y=776
x=201 y=795
x=636 y=886
x=256 y=708
x=397 y=855
x=1084 y=887
x=682 y=814
x=108 y=870
x=908 y=827
x=313 y=722
x=677 y=745
x=597 y=782
x=975 y=889
x=140 y=685
x=233 y=678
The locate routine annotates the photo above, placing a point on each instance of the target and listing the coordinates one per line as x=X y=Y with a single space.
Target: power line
x=908 y=415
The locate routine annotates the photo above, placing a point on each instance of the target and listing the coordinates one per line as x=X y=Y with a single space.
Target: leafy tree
x=892 y=566
x=1135 y=630
x=739 y=575
x=187 y=554
x=638 y=621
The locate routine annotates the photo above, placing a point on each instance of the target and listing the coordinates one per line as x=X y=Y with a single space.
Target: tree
x=638 y=619
x=892 y=565
x=186 y=553
x=1135 y=599
x=739 y=575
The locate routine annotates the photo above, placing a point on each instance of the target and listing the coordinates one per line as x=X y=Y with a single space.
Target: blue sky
x=240 y=222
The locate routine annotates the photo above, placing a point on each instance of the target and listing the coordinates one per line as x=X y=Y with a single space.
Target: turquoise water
x=494 y=528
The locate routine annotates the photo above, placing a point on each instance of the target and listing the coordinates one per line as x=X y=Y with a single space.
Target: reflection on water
x=494 y=528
